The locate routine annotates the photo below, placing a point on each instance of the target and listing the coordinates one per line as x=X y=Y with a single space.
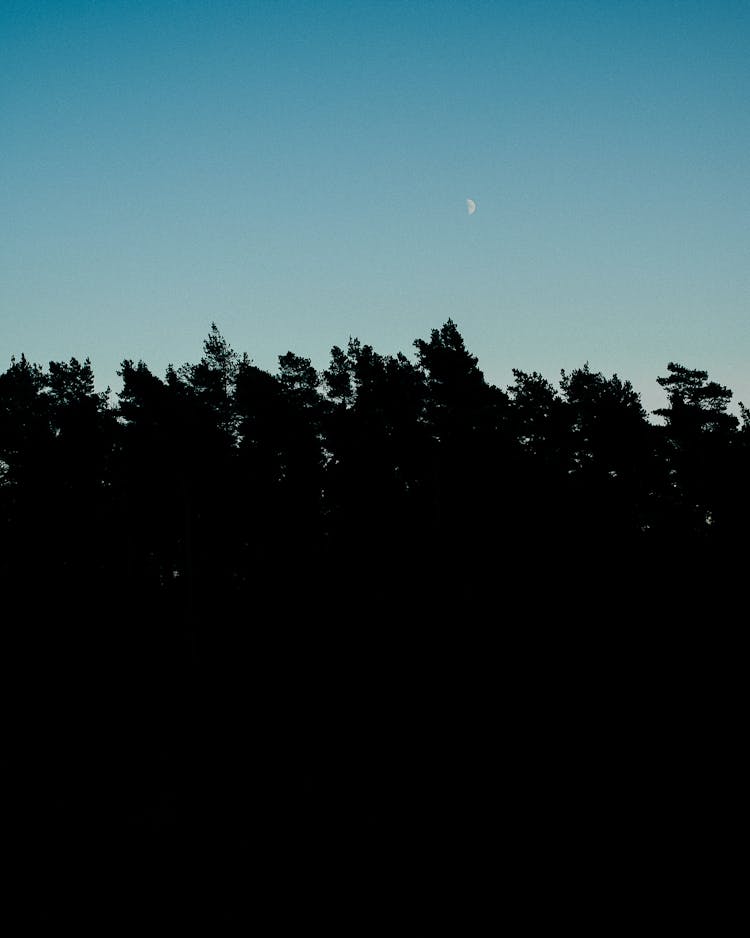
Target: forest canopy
x=221 y=479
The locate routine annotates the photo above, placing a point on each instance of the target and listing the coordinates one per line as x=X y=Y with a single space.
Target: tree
x=300 y=381
x=607 y=420
x=26 y=446
x=456 y=387
x=375 y=435
x=696 y=405
x=151 y=464
x=701 y=459
x=539 y=417
x=611 y=449
x=212 y=380
x=338 y=378
x=25 y=429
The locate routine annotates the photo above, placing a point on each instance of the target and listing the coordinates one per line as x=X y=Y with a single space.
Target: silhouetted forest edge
x=337 y=589
x=221 y=467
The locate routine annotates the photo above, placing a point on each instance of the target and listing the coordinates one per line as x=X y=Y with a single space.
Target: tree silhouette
x=26 y=443
x=611 y=451
x=695 y=404
x=325 y=608
x=697 y=438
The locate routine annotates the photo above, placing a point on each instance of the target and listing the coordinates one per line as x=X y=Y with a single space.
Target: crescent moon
x=471 y=206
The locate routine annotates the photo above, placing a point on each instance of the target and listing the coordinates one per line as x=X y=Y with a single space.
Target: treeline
x=229 y=568
x=225 y=480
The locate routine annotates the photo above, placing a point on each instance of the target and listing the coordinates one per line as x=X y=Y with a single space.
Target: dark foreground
x=558 y=751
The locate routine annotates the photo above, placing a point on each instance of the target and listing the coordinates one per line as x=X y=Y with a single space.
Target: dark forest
x=340 y=628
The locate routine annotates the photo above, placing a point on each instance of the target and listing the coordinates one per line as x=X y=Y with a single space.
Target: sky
x=298 y=172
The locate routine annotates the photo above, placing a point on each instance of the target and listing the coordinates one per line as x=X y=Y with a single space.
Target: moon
x=471 y=206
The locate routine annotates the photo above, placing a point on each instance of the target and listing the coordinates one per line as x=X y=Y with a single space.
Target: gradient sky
x=297 y=172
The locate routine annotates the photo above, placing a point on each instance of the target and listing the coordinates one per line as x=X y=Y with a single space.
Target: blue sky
x=297 y=172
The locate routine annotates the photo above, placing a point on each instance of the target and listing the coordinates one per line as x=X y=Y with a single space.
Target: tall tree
x=212 y=379
x=456 y=387
x=612 y=452
x=26 y=446
x=25 y=429
x=697 y=436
